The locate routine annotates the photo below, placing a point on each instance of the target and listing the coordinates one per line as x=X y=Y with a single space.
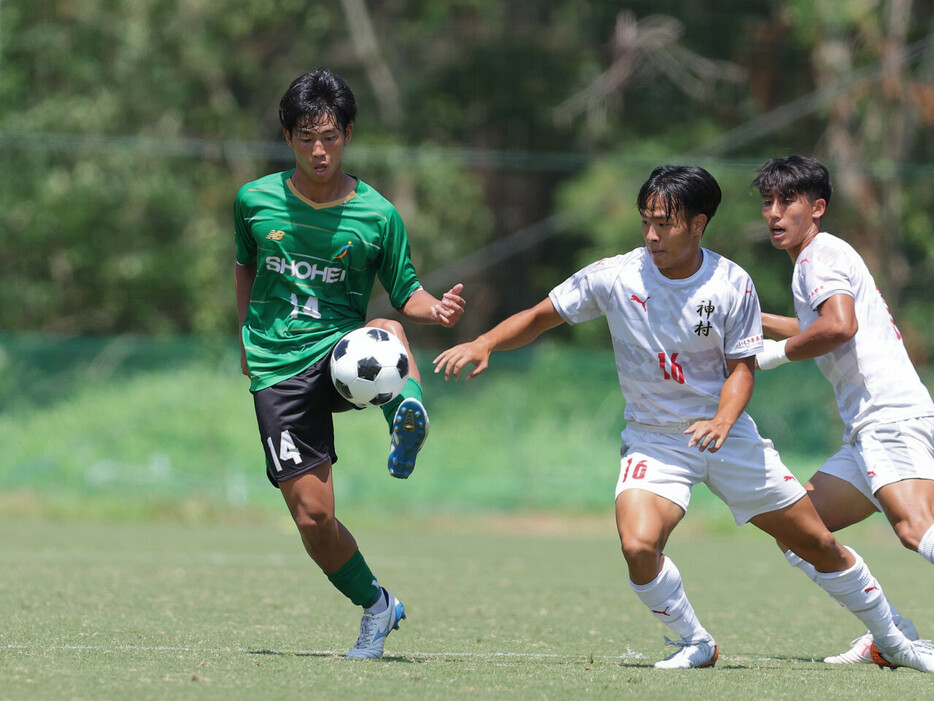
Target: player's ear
x=347 y=132
x=698 y=224
x=288 y=136
x=819 y=207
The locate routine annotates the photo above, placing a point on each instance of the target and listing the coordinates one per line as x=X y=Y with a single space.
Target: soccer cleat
x=375 y=628
x=859 y=652
x=409 y=431
x=919 y=656
x=692 y=654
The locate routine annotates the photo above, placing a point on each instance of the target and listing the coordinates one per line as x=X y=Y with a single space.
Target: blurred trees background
x=512 y=137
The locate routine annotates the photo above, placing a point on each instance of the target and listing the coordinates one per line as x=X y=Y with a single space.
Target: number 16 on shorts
x=632 y=469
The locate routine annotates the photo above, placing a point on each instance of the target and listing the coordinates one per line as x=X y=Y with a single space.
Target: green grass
x=143 y=555
x=504 y=607
x=121 y=427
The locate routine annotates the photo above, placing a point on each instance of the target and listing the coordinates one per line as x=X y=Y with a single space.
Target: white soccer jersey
x=872 y=376
x=671 y=338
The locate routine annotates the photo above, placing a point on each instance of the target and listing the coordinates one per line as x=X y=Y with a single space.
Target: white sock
x=382 y=603
x=811 y=573
x=802 y=565
x=926 y=547
x=665 y=598
x=859 y=592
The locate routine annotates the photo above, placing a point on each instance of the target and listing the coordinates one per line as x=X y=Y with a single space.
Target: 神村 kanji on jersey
x=315 y=268
x=872 y=375
x=671 y=338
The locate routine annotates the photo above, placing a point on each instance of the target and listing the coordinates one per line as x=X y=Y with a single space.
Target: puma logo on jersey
x=634 y=298
x=276 y=235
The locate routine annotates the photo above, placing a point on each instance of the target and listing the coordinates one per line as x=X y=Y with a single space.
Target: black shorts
x=296 y=424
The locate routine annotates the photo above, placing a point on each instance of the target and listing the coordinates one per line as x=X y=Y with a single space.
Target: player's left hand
x=451 y=308
x=708 y=434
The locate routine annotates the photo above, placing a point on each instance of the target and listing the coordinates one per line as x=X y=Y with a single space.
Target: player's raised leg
x=406 y=415
x=645 y=521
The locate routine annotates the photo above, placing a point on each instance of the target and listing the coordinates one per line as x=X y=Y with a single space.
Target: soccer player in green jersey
x=310 y=242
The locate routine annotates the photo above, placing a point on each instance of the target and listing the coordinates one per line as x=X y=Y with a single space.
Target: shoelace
x=368 y=628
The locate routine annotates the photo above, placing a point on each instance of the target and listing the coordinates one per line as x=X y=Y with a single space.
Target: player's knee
x=639 y=552
x=312 y=522
x=391 y=325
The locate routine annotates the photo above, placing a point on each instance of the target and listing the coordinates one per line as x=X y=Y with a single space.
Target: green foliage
x=126 y=127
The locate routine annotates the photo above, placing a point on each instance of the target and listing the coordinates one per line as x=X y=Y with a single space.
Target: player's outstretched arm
x=424 y=308
x=518 y=330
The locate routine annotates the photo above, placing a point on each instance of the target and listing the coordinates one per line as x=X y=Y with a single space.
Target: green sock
x=412 y=389
x=355 y=581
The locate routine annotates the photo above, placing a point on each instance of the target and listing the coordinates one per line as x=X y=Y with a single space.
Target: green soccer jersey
x=315 y=267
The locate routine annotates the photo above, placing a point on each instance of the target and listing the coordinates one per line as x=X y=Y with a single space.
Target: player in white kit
x=685 y=326
x=886 y=462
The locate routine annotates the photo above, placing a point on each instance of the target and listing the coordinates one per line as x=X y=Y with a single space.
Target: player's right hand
x=455 y=359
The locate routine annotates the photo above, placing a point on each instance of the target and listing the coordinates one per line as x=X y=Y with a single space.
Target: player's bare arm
x=735 y=395
x=518 y=330
x=779 y=327
x=244 y=276
x=836 y=325
x=424 y=308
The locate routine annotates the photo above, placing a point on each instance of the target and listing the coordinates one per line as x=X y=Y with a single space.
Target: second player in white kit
x=685 y=328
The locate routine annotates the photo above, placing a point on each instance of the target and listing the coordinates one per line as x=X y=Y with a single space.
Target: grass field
x=143 y=554
x=500 y=607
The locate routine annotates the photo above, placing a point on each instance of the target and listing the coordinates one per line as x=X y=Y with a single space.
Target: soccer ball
x=369 y=366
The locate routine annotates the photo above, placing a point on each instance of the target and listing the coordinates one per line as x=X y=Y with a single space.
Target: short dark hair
x=314 y=96
x=795 y=175
x=684 y=190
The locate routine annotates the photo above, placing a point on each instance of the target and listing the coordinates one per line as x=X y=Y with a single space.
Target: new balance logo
x=276 y=235
x=634 y=298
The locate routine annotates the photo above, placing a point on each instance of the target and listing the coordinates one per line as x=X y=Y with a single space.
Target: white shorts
x=747 y=473
x=885 y=453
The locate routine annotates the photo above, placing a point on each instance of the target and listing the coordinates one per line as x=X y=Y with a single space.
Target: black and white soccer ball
x=369 y=366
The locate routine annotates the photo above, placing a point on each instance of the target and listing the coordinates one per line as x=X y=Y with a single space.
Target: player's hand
x=708 y=434
x=455 y=359
x=451 y=308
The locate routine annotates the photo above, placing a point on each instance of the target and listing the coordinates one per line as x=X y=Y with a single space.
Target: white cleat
x=919 y=656
x=375 y=628
x=691 y=654
x=859 y=652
